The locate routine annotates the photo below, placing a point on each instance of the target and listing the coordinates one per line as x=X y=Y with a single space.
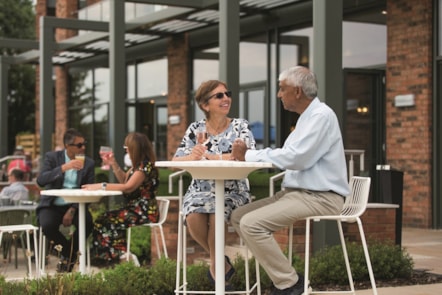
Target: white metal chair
x=354 y=207
x=181 y=286
x=17 y=221
x=163 y=207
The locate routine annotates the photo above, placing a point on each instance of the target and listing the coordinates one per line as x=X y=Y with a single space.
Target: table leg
x=82 y=237
x=219 y=237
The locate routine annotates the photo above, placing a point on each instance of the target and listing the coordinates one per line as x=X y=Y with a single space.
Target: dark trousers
x=50 y=219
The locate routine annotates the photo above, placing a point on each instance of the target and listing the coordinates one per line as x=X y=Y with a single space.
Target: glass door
x=364 y=122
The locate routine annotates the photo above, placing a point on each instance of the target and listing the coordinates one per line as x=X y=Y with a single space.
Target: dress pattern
x=140 y=208
x=200 y=196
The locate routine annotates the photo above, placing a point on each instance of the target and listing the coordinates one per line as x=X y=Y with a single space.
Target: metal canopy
x=181 y=16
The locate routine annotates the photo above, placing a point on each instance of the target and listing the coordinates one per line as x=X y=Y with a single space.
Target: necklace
x=221 y=127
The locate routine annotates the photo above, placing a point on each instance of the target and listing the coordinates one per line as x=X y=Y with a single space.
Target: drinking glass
x=202 y=136
x=105 y=152
x=81 y=158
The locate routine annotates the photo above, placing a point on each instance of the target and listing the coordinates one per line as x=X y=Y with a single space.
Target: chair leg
x=163 y=241
x=179 y=257
x=36 y=255
x=128 y=244
x=42 y=251
x=154 y=230
x=367 y=257
x=347 y=262
x=28 y=254
x=257 y=284
x=307 y=256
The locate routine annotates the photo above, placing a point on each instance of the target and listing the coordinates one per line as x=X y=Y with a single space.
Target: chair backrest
x=15 y=217
x=163 y=208
x=356 y=202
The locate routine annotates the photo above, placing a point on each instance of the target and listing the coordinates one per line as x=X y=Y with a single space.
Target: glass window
x=131 y=118
x=152 y=78
x=131 y=82
x=364 y=45
x=82 y=89
x=101 y=85
x=203 y=70
x=253 y=60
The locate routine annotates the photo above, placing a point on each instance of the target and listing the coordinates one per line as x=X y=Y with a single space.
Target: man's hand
x=72 y=164
x=239 y=150
x=68 y=216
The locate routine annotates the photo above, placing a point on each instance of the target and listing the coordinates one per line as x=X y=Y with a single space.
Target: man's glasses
x=220 y=95
x=78 y=145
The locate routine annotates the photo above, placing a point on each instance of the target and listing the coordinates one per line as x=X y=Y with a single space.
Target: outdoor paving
x=425 y=246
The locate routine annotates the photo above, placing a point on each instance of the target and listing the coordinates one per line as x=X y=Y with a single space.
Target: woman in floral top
x=139 y=185
x=214 y=100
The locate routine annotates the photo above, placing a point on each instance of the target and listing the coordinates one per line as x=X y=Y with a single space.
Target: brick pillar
x=178 y=90
x=64 y=9
x=408 y=129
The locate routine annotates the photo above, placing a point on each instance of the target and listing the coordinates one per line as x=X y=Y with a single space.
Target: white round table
x=81 y=197
x=219 y=171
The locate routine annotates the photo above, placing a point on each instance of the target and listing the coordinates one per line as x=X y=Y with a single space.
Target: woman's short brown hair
x=203 y=92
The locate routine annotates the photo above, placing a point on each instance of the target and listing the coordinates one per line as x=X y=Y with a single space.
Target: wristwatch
x=103 y=186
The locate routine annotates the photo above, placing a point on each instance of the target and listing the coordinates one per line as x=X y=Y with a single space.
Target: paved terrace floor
x=425 y=246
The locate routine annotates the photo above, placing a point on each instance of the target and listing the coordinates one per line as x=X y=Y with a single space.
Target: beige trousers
x=256 y=222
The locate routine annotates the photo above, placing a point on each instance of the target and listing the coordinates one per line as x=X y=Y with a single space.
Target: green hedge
x=327 y=267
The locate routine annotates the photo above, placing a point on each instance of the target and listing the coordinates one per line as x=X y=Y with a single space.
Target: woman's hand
x=198 y=152
x=108 y=159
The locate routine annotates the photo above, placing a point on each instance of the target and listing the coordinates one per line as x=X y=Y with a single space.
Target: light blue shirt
x=313 y=154
x=16 y=191
x=70 y=181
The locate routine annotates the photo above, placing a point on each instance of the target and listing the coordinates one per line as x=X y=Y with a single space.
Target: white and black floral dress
x=200 y=196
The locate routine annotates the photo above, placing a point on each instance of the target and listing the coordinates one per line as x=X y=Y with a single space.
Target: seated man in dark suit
x=62 y=171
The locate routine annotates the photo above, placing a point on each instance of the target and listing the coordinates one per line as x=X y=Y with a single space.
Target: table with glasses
x=219 y=171
x=81 y=197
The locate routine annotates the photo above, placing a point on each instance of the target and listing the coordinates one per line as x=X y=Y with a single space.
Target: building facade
x=391 y=74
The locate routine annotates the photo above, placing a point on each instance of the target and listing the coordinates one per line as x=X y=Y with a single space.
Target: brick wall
x=379 y=224
x=408 y=129
x=178 y=60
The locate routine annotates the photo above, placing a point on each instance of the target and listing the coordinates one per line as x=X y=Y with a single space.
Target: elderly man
x=315 y=181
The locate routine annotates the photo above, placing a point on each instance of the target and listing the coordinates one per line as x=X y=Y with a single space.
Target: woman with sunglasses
x=61 y=170
x=139 y=185
x=214 y=99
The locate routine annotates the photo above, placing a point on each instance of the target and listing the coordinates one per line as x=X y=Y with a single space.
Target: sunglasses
x=220 y=95
x=78 y=145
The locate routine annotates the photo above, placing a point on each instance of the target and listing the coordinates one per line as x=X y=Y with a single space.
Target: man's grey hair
x=302 y=77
